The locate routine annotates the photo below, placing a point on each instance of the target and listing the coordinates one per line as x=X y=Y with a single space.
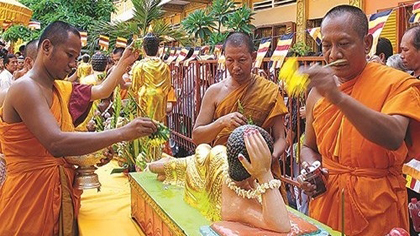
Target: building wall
x=275 y=15
x=123 y=7
x=373 y=6
x=318 y=8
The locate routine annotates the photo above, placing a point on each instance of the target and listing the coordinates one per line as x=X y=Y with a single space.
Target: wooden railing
x=191 y=82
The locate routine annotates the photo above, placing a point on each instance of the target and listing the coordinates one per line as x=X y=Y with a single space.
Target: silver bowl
x=86 y=178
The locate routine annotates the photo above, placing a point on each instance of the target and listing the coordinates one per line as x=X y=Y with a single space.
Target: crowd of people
x=361 y=123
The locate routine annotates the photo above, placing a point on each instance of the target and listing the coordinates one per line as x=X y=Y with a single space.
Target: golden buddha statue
x=151 y=81
x=221 y=181
x=84 y=69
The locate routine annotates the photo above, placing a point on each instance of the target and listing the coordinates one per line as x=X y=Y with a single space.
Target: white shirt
x=6 y=79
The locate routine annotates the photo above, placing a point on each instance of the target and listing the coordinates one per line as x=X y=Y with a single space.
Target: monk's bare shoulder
x=312 y=99
x=214 y=91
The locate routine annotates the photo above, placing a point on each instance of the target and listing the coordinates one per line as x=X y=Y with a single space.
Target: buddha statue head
x=151 y=44
x=236 y=145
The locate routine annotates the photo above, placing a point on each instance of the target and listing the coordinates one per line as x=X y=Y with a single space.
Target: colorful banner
x=34 y=25
x=182 y=55
x=284 y=43
x=376 y=24
x=205 y=49
x=172 y=56
x=103 y=42
x=121 y=42
x=218 y=50
x=315 y=33
x=262 y=51
x=83 y=38
x=416 y=10
x=193 y=56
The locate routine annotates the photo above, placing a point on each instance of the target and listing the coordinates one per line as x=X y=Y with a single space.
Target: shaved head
x=358 y=23
x=58 y=33
x=237 y=39
x=31 y=49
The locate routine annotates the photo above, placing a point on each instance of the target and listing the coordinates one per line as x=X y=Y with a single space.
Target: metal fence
x=190 y=83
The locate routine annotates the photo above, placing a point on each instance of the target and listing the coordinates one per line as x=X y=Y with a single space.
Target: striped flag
x=193 y=56
x=34 y=25
x=218 y=50
x=205 y=49
x=376 y=24
x=315 y=33
x=416 y=10
x=412 y=172
x=103 y=42
x=121 y=42
x=262 y=51
x=165 y=50
x=182 y=55
x=172 y=56
x=284 y=43
x=83 y=38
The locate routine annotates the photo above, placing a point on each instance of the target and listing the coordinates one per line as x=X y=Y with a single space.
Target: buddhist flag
x=262 y=51
x=103 y=42
x=34 y=25
x=193 y=56
x=182 y=55
x=315 y=33
x=376 y=24
x=172 y=56
x=83 y=38
x=165 y=50
x=218 y=50
x=121 y=42
x=205 y=49
x=283 y=45
x=416 y=10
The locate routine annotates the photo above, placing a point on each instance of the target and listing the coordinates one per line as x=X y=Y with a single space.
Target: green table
x=170 y=200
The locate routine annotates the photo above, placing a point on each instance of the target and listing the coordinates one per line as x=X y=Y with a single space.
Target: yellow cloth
x=151 y=85
x=37 y=197
x=375 y=193
x=108 y=212
x=261 y=100
x=172 y=95
x=91 y=79
x=83 y=70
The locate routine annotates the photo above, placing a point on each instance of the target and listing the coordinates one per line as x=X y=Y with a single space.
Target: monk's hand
x=307 y=187
x=108 y=154
x=324 y=81
x=129 y=56
x=139 y=127
x=259 y=155
x=233 y=120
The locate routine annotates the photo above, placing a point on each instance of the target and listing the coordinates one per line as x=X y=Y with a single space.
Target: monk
x=30 y=57
x=36 y=124
x=362 y=125
x=261 y=102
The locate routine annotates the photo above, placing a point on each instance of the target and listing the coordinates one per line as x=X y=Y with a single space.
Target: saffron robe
x=375 y=199
x=37 y=197
x=261 y=102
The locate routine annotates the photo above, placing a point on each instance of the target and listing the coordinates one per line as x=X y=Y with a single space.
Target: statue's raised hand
x=259 y=154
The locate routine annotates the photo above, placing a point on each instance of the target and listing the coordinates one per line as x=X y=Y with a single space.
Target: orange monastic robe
x=37 y=197
x=375 y=199
x=261 y=101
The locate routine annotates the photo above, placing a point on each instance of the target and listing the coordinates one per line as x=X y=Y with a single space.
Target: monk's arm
x=205 y=130
x=309 y=151
x=105 y=89
x=279 y=139
x=27 y=100
x=388 y=131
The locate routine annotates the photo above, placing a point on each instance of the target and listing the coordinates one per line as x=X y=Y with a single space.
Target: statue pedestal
x=160 y=210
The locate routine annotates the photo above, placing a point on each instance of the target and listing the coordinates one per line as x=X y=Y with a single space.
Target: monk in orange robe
x=362 y=124
x=240 y=99
x=36 y=124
